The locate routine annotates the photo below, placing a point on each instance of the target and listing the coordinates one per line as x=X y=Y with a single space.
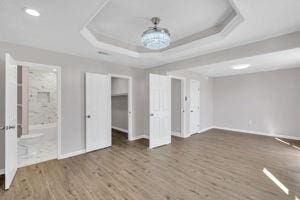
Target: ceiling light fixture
x=156 y=38
x=32 y=12
x=239 y=67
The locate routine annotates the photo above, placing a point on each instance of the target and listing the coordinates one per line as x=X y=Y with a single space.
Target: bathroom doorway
x=38 y=113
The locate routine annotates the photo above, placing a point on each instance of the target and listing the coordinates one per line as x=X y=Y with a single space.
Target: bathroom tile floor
x=46 y=150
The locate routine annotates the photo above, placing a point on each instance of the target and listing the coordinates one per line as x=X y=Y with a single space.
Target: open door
x=160 y=110
x=98 y=122
x=11 y=156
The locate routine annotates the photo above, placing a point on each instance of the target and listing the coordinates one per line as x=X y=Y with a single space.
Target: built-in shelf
x=22 y=103
x=120 y=94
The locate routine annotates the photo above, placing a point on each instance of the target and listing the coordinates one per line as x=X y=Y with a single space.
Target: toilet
x=29 y=144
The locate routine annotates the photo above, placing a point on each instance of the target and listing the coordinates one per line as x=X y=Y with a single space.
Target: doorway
x=121 y=107
x=178 y=99
x=18 y=132
x=103 y=95
x=37 y=110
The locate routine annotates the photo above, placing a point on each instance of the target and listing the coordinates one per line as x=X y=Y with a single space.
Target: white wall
x=73 y=106
x=266 y=102
x=206 y=97
x=176 y=105
x=119 y=112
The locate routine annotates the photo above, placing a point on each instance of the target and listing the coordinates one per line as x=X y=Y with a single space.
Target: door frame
x=58 y=85
x=130 y=105
x=183 y=104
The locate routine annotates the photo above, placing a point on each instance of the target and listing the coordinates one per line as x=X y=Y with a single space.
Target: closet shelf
x=120 y=94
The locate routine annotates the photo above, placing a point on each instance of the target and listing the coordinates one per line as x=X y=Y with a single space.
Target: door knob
x=2 y=127
x=151 y=115
x=88 y=116
x=192 y=111
x=11 y=127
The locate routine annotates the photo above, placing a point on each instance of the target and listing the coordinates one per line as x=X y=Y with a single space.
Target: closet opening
x=178 y=106
x=121 y=108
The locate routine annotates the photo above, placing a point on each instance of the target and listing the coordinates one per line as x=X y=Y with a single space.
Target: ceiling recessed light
x=238 y=67
x=54 y=70
x=32 y=12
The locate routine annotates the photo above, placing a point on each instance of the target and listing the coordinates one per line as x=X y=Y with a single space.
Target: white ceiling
x=133 y=17
x=268 y=62
x=58 y=27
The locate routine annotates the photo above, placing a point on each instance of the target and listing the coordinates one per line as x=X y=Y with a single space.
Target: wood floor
x=215 y=165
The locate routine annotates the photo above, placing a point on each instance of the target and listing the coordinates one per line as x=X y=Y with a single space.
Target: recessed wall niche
x=42 y=97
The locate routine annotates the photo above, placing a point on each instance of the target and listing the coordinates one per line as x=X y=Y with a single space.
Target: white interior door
x=11 y=156
x=98 y=108
x=194 y=106
x=160 y=110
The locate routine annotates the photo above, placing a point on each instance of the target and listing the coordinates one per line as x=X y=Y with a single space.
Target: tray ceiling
x=126 y=20
x=118 y=25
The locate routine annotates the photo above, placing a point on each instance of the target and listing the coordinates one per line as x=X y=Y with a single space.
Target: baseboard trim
x=159 y=142
x=206 y=129
x=68 y=155
x=256 y=133
x=200 y=131
x=2 y=171
x=177 y=134
x=119 y=129
x=139 y=137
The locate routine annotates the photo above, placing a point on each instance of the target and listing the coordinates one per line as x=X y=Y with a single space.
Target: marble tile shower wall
x=42 y=98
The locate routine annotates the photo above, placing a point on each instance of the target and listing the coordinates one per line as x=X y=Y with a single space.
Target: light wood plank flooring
x=216 y=165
